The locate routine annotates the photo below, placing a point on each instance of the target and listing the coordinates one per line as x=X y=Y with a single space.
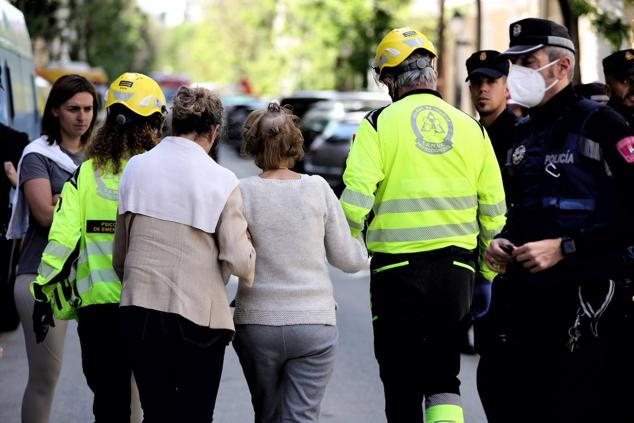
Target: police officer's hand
x=539 y=255
x=42 y=320
x=495 y=256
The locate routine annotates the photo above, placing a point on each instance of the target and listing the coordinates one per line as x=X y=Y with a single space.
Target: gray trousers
x=45 y=359
x=287 y=369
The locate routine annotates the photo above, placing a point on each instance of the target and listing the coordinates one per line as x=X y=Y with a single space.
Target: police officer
x=486 y=74
x=428 y=171
x=560 y=348
x=595 y=91
x=618 y=69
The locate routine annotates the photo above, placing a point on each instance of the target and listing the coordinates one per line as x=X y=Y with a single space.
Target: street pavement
x=354 y=395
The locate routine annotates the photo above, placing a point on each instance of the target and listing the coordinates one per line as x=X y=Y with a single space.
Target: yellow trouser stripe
x=465 y=265
x=391 y=266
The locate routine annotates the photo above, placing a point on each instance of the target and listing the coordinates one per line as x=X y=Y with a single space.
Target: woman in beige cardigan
x=180 y=233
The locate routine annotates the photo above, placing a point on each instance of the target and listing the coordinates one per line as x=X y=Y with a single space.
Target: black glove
x=42 y=319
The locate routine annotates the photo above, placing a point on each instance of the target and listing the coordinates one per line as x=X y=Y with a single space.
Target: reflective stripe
x=355 y=225
x=569 y=203
x=490 y=234
x=56 y=250
x=493 y=210
x=590 y=149
x=465 y=265
x=103 y=191
x=391 y=266
x=101 y=275
x=410 y=205
x=357 y=199
x=95 y=249
x=45 y=270
x=424 y=233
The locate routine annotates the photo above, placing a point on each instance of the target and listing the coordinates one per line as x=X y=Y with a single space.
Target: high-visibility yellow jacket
x=80 y=240
x=428 y=172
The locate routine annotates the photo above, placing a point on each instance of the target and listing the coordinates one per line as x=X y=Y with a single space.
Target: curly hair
x=195 y=110
x=63 y=90
x=272 y=136
x=117 y=140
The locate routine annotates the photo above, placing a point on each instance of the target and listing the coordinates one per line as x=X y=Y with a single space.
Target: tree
x=112 y=34
x=606 y=17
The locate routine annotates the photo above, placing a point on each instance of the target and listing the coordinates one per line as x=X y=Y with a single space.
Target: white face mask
x=527 y=85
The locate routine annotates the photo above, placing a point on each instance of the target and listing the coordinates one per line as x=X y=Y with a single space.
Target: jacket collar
x=420 y=91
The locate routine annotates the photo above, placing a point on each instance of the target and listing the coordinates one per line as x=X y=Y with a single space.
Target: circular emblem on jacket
x=518 y=154
x=433 y=129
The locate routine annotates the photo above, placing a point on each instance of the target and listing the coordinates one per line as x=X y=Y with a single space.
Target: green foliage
x=280 y=45
x=40 y=17
x=610 y=25
x=113 y=34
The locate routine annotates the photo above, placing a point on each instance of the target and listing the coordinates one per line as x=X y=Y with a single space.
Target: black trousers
x=177 y=364
x=105 y=362
x=526 y=371
x=418 y=303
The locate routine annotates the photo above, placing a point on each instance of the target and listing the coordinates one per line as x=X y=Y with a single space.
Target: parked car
x=328 y=153
x=237 y=108
x=318 y=108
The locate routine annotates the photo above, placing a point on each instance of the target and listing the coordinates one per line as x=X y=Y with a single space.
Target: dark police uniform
x=620 y=65
x=571 y=175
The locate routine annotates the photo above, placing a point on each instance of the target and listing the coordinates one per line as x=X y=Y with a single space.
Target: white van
x=18 y=99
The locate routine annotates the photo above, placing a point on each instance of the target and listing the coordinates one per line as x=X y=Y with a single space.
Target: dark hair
x=272 y=136
x=195 y=110
x=116 y=140
x=63 y=90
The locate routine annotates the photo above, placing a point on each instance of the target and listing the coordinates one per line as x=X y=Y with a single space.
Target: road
x=354 y=395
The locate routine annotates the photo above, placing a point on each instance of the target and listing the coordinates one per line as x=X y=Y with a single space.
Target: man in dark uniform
x=560 y=323
x=486 y=74
x=618 y=69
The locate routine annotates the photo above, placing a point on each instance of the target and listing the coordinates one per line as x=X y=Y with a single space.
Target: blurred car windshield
x=341 y=131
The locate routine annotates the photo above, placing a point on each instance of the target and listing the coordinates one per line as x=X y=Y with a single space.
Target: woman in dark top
x=69 y=117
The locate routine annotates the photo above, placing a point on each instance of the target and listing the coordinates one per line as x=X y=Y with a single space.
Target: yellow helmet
x=138 y=92
x=397 y=46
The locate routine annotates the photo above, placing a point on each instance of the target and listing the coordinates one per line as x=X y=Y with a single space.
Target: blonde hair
x=272 y=136
x=195 y=110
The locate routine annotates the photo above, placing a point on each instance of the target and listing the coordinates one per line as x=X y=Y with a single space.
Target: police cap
x=488 y=63
x=595 y=91
x=530 y=34
x=619 y=65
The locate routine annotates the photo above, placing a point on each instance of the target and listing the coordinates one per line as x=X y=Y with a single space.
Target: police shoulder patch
x=625 y=147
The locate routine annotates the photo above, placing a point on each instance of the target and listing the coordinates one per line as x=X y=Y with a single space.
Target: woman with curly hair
x=80 y=244
x=286 y=334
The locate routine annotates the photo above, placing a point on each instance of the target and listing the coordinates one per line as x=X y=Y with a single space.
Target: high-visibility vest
x=429 y=173
x=76 y=266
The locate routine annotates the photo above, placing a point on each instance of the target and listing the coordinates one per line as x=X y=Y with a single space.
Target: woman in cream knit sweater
x=285 y=323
